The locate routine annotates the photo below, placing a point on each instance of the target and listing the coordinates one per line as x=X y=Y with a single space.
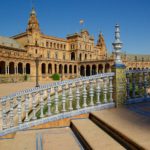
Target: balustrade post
x=56 y=100
x=77 y=96
x=105 y=90
x=119 y=84
x=145 y=84
x=41 y=104
x=128 y=85
x=63 y=98
x=98 y=91
x=70 y=97
x=34 y=106
x=4 y=115
x=110 y=89
x=11 y=112
x=91 y=93
x=84 y=94
x=49 y=101
x=140 y=84
x=133 y=84
x=19 y=110
x=27 y=107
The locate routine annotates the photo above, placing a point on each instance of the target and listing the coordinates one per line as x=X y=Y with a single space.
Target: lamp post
x=37 y=72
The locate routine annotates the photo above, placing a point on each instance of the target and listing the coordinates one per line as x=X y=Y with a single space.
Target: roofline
x=13 y=48
x=19 y=35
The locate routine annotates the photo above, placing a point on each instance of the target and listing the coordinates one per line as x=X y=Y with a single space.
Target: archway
x=82 y=70
x=2 y=67
x=11 y=68
x=100 y=68
x=20 y=68
x=88 y=71
x=93 y=69
x=75 y=69
x=70 y=69
x=27 y=68
x=107 y=67
x=50 y=68
x=60 y=69
x=65 y=69
x=43 y=68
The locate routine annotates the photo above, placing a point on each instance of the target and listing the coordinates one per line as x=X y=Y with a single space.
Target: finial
x=117 y=45
x=33 y=11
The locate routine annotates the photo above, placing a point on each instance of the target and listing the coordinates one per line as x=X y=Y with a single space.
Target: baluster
x=56 y=100
x=133 y=85
x=49 y=101
x=19 y=110
x=70 y=97
x=98 y=91
x=3 y=102
x=41 y=104
x=91 y=93
x=140 y=84
x=128 y=85
x=105 y=90
x=27 y=107
x=11 y=112
x=84 y=94
x=63 y=98
x=145 y=84
x=34 y=106
x=77 y=96
x=110 y=89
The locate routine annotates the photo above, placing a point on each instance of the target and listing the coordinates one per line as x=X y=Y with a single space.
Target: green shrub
x=55 y=76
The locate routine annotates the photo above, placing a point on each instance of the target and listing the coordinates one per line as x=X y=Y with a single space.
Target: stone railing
x=137 y=86
x=57 y=100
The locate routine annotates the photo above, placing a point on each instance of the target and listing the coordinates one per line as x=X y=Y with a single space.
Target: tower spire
x=117 y=45
x=33 y=24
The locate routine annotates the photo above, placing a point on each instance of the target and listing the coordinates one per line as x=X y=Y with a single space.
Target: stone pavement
x=132 y=121
x=9 y=88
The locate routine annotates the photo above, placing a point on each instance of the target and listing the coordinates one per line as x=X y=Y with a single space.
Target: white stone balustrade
x=59 y=97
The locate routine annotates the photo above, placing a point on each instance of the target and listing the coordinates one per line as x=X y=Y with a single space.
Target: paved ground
x=9 y=88
x=53 y=139
x=133 y=121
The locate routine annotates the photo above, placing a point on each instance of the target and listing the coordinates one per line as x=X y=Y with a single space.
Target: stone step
x=132 y=129
x=45 y=139
x=93 y=137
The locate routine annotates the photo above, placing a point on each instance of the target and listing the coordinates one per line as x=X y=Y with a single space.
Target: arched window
x=2 y=67
x=20 y=68
x=70 y=69
x=43 y=68
x=65 y=69
x=73 y=56
x=27 y=68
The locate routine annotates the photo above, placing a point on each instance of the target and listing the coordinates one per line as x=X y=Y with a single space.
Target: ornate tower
x=101 y=44
x=117 y=46
x=33 y=25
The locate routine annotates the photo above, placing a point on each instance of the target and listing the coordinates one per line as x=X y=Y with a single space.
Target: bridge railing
x=31 y=106
x=138 y=84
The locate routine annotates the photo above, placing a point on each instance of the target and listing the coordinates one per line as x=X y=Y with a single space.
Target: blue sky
x=61 y=17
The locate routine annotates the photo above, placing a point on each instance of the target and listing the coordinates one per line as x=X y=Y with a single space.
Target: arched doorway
x=43 y=68
x=27 y=68
x=75 y=69
x=65 y=69
x=20 y=68
x=100 y=68
x=93 y=69
x=73 y=56
x=107 y=67
x=50 y=68
x=2 y=67
x=88 y=71
x=11 y=68
x=70 y=69
x=82 y=71
x=60 y=68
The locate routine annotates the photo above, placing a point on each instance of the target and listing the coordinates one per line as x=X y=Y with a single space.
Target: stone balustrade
x=137 y=84
x=59 y=98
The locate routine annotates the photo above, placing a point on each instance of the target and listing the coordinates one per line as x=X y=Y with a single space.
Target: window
x=47 y=44
x=36 y=51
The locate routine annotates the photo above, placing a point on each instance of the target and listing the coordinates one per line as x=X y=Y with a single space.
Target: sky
x=61 y=17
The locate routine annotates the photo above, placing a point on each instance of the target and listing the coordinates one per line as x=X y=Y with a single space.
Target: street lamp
x=37 y=72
